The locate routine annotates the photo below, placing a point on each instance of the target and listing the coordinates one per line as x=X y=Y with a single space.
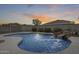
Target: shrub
x=34 y=29
x=57 y=30
x=48 y=30
x=40 y=30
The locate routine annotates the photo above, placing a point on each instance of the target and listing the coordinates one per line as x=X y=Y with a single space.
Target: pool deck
x=10 y=46
x=73 y=48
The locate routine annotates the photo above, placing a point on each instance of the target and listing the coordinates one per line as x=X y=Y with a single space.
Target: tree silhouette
x=36 y=22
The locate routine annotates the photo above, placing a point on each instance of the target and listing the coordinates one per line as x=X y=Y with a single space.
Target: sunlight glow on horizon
x=44 y=19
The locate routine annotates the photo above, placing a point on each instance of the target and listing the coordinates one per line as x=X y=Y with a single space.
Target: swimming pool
x=42 y=43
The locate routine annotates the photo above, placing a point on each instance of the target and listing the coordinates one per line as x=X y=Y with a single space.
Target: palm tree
x=36 y=22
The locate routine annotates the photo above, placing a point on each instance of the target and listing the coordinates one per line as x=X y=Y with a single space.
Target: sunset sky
x=44 y=12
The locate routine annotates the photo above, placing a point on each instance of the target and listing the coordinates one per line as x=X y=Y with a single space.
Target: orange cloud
x=43 y=18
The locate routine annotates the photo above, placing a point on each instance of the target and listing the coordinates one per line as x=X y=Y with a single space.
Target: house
x=56 y=22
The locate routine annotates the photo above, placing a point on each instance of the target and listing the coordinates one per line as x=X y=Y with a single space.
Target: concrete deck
x=73 y=48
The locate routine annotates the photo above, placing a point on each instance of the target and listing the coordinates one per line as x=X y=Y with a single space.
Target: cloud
x=30 y=5
x=27 y=15
x=54 y=5
x=44 y=5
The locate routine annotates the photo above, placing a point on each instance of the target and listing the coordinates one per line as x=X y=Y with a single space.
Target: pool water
x=43 y=43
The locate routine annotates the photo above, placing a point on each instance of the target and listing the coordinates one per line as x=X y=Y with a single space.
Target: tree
x=36 y=22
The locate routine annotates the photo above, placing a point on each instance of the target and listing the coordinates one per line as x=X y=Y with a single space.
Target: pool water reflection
x=43 y=43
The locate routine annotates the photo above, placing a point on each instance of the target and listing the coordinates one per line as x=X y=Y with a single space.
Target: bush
x=48 y=30
x=34 y=29
x=40 y=30
x=57 y=30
